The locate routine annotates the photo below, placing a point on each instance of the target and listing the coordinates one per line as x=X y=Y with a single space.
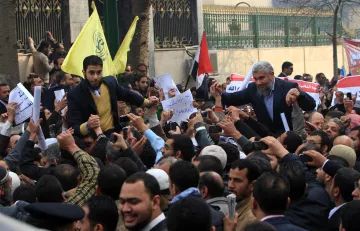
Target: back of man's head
x=110 y=181
x=232 y=153
x=67 y=176
x=184 y=175
x=292 y=141
x=102 y=211
x=344 y=182
x=263 y=164
x=128 y=165
x=271 y=192
x=295 y=175
x=25 y=193
x=190 y=213
x=349 y=214
x=214 y=184
x=48 y=189
x=60 y=76
x=209 y=163
x=184 y=144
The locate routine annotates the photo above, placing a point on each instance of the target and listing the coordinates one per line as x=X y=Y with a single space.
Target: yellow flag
x=91 y=41
x=121 y=55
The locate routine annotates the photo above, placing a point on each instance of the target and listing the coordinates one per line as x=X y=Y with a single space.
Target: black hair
x=292 y=141
x=335 y=114
x=25 y=193
x=180 y=88
x=127 y=164
x=4 y=84
x=271 y=191
x=184 y=175
x=253 y=171
x=215 y=188
x=190 y=213
x=60 y=76
x=262 y=164
x=338 y=160
x=286 y=65
x=141 y=65
x=110 y=180
x=232 y=153
x=319 y=74
x=193 y=89
x=48 y=189
x=260 y=226
x=357 y=128
x=308 y=147
x=259 y=154
x=295 y=175
x=344 y=179
x=103 y=210
x=92 y=60
x=325 y=139
x=184 y=144
x=58 y=56
x=152 y=187
x=137 y=78
x=209 y=163
x=148 y=155
x=349 y=214
x=299 y=77
x=44 y=44
x=66 y=175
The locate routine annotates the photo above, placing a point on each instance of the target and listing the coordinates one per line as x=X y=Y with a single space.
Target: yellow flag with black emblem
x=91 y=41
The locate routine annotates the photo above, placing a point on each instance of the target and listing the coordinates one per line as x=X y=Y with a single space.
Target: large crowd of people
x=115 y=160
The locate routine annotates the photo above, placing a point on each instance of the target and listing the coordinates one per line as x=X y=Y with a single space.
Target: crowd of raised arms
x=115 y=160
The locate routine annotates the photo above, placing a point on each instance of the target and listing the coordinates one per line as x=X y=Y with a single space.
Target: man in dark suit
x=340 y=193
x=269 y=96
x=270 y=199
x=287 y=69
x=93 y=102
x=4 y=97
x=140 y=203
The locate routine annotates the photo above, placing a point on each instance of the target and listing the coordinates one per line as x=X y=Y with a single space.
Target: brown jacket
x=246 y=216
x=42 y=66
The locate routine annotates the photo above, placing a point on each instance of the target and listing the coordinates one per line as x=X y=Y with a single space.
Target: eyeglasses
x=91 y=72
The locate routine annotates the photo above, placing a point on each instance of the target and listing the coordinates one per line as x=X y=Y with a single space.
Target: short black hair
x=295 y=175
x=357 y=128
x=48 y=189
x=325 y=139
x=298 y=77
x=184 y=175
x=67 y=176
x=271 y=191
x=260 y=226
x=103 y=210
x=209 y=163
x=309 y=146
x=215 y=188
x=141 y=65
x=58 y=56
x=338 y=160
x=25 y=193
x=344 y=179
x=184 y=144
x=4 y=85
x=137 y=78
x=127 y=164
x=292 y=141
x=335 y=114
x=190 y=213
x=232 y=153
x=110 y=180
x=152 y=186
x=286 y=65
x=148 y=155
x=349 y=214
x=60 y=76
x=92 y=60
x=43 y=44
x=263 y=164
x=253 y=171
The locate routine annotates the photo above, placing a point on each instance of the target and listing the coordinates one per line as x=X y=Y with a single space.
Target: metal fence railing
x=249 y=27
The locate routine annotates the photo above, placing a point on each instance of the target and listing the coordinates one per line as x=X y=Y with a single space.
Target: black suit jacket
x=335 y=220
x=3 y=109
x=162 y=226
x=282 y=75
x=251 y=96
x=49 y=96
x=283 y=224
x=81 y=104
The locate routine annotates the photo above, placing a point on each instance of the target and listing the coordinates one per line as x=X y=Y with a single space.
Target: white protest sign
x=236 y=83
x=182 y=105
x=37 y=101
x=166 y=82
x=25 y=100
x=310 y=88
x=59 y=94
x=348 y=84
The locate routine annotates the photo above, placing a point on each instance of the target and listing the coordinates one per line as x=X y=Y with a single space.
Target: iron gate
x=34 y=18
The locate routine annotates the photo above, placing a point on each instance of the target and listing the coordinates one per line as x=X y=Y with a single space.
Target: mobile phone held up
x=259 y=145
x=349 y=95
x=215 y=129
x=124 y=119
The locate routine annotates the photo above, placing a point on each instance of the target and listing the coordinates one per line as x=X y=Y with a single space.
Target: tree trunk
x=334 y=40
x=139 y=46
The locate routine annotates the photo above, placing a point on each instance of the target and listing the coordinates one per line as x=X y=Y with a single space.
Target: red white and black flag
x=202 y=64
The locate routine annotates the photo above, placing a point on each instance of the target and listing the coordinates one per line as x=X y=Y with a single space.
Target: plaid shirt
x=89 y=171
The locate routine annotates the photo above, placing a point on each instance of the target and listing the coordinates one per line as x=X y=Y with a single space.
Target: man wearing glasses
x=286 y=69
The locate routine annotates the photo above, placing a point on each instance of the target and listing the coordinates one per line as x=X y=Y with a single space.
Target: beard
x=146 y=219
x=92 y=86
x=266 y=91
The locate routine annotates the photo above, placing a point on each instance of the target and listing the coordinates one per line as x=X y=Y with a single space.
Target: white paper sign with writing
x=182 y=105
x=166 y=82
x=59 y=94
x=25 y=100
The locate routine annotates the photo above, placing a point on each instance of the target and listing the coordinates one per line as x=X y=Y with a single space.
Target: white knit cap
x=161 y=177
x=15 y=181
x=217 y=151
